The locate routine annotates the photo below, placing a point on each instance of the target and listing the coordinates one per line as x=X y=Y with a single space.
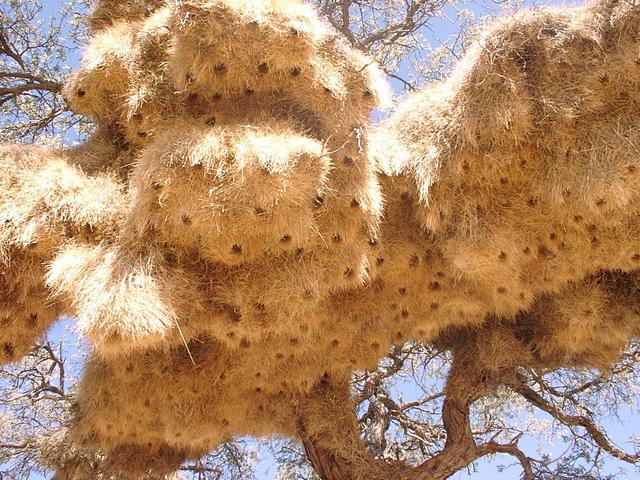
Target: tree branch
x=589 y=425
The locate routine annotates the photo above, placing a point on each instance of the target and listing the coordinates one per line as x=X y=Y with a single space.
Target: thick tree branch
x=53 y=87
x=512 y=449
x=466 y=383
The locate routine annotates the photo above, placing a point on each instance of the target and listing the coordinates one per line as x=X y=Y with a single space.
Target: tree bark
x=326 y=464
x=466 y=383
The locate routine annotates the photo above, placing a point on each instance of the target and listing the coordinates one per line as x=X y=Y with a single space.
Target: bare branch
x=589 y=425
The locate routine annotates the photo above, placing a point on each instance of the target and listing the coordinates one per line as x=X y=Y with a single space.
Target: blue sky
x=484 y=469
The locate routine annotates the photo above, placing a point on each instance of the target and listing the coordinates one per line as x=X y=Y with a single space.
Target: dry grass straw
x=245 y=242
x=44 y=201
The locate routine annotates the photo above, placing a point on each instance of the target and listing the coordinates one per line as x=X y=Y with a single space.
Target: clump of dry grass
x=44 y=201
x=231 y=244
